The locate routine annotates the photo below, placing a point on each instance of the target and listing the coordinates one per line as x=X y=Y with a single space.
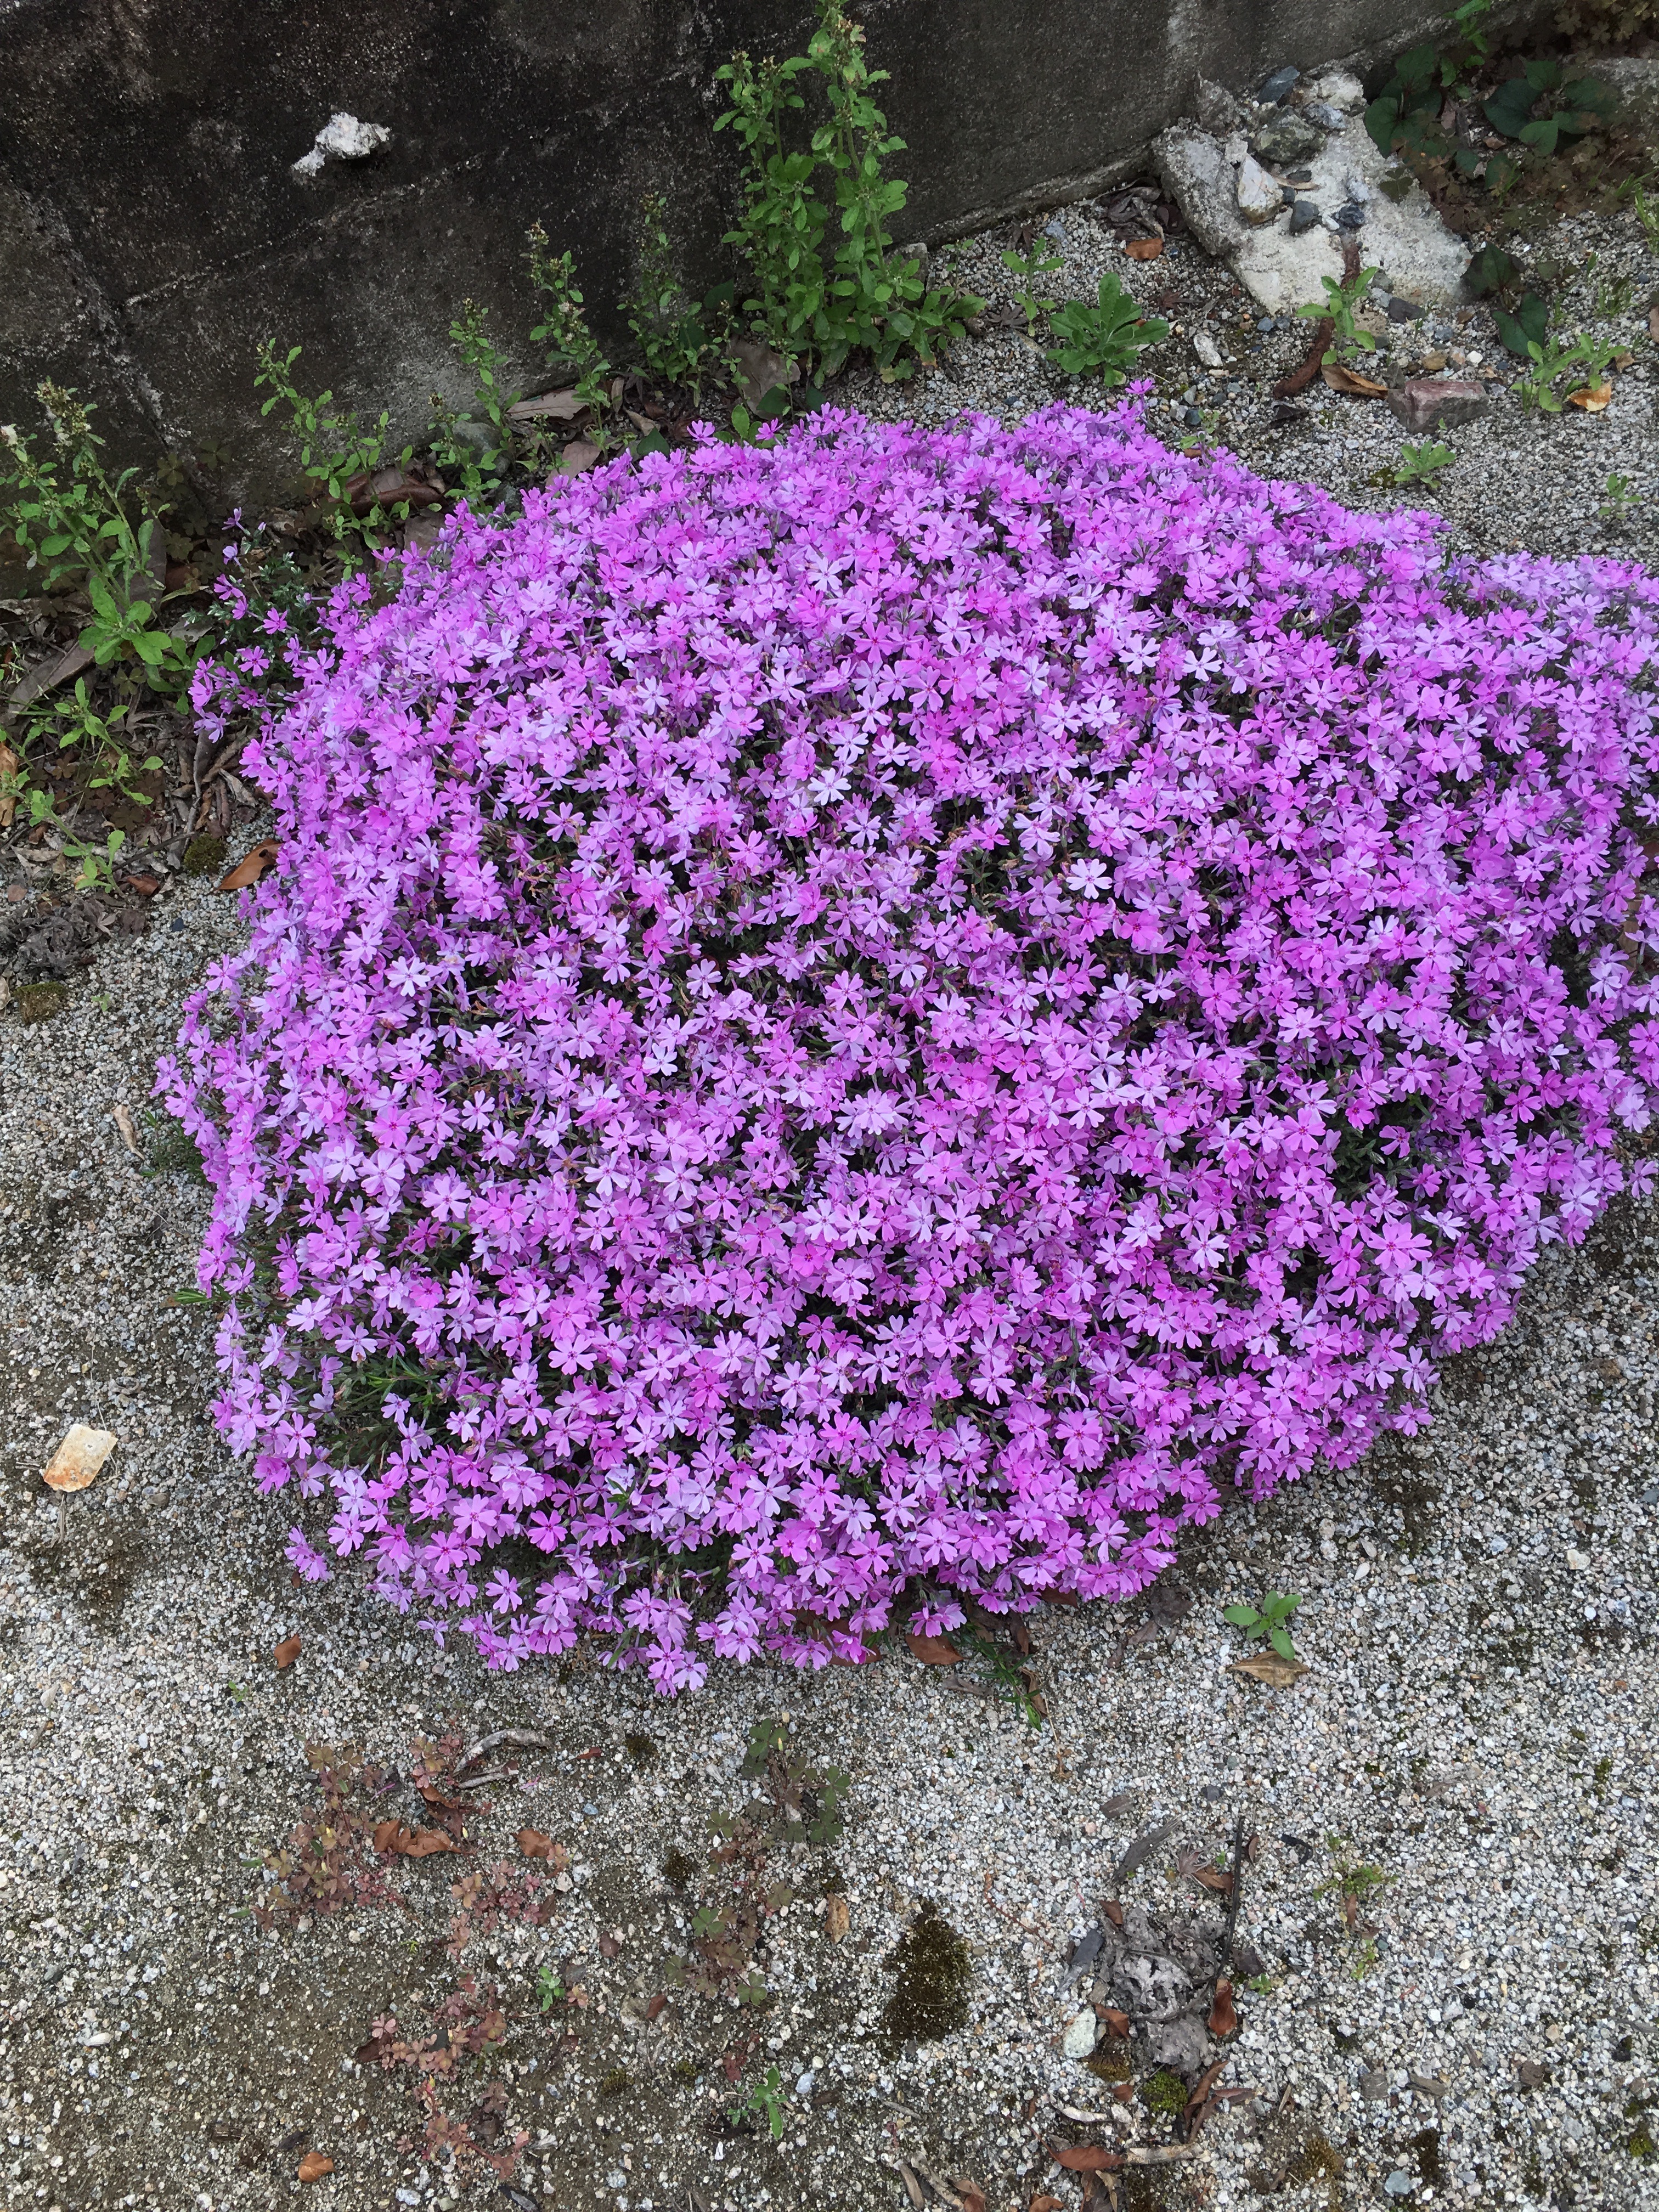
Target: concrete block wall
x=152 y=230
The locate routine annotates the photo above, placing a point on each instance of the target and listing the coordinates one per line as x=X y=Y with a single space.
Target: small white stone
x=1259 y=198
x=1080 y=2035
x=1207 y=349
x=1577 y=1560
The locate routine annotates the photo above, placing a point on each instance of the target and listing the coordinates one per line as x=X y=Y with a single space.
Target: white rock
x=1340 y=87
x=1080 y=2035
x=1577 y=1560
x=1196 y=173
x=1421 y=259
x=1207 y=349
x=344 y=138
x=1259 y=198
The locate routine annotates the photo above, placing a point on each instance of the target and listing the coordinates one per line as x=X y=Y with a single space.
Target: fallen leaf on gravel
x=933 y=1650
x=1123 y=1802
x=1592 y=399
x=1088 y=2158
x=556 y=406
x=314 y=2165
x=836 y=1918
x=913 y=2188
x=1267 y=1666
x=286 y=1653
x=609 y=1948
x=1115 y=2023
x=1045 y=2204
x=123 y=1120
x=657 y=2007
x=1223 y=2020
x=263 y=858
x=1219 y=1878
x=9 y=765
x=393 y=1838
x=520 y=2199
x=1114 y=1911
x=1653 y=321
x=1022 y=1636
x=972 y=2195
x=1141 y=1850
x=1349 y=380
x=1197 y=2106
x=1143 y=249
x=534 y=1845
x=1534 y=2075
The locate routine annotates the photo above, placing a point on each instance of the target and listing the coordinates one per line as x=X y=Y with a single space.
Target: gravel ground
x=1519 y=479
x=1449 y=1895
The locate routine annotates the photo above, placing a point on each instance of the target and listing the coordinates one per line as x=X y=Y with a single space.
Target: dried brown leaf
x=549 y=406
x=314 y=2165
x=1088 y=2158
x=1143 y=249
x=1653 y=322
x=258 y=862
x=933 y=1650
x=1116 y=2023
x=1219 y=1879
x=1114 y=1911
x=579 y=455
x=9 y=765
x=836 y=1918
x=972 y=2195
x=1592 y=399
x=394 y=1839
x=657 y=2006
x=1343 y=379
x=286 y=1653
x=609 y=1948
x=1224 y=2019
x=534 y=1845
x=1267 y=1666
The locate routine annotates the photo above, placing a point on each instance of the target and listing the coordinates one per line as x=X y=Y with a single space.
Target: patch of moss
x=678 y=1869
x=613 y=2083
x=933 y=1969
x=1111 y=2062
x=641 y=1749
x=39 y=1002
x=1641 y=2143
x=204 y=855
x=1315 y=2156
x=1165 y=2093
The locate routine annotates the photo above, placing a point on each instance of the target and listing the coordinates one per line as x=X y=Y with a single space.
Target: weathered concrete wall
x=152 y=229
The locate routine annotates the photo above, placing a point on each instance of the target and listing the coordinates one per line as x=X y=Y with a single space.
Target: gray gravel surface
x=1468 y=1759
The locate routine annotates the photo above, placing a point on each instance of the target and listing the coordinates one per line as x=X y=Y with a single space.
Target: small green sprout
x=1266 y=1619
x=1423 y=464
x=763 y=2102
x=549 y=1988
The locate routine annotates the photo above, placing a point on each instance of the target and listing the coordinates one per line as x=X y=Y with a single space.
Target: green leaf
x=1282 y=1643
x=1382 y=119
x=1491 y=271
x=1241 y=1616
x=1508 y=108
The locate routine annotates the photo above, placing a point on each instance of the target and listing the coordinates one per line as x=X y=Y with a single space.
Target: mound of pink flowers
x=886 y=1020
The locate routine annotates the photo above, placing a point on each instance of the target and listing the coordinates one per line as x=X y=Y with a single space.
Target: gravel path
x=1449 y=1894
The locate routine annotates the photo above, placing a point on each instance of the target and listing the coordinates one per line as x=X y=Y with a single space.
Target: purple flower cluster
x=887 y=1019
